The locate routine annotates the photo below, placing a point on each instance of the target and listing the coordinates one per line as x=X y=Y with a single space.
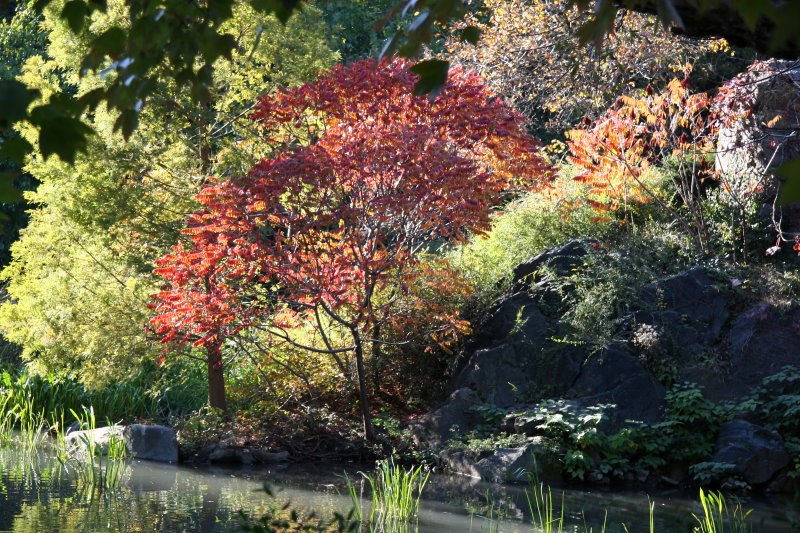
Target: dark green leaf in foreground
x=14 y=101
x=432 y=76
x=75 y=13
x=15 y=149
x=789 y=172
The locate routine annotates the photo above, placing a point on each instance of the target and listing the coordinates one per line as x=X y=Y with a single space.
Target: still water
x=36 y=495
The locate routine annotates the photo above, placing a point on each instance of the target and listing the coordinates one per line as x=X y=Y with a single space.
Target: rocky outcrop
x=562 y=261
x=757 y=453
x=518 y=367
x=151 y=443
x=453 y=419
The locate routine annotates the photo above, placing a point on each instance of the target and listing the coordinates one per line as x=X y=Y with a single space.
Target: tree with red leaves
x=327 y=232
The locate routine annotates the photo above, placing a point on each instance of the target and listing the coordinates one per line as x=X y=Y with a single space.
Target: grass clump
x=396 y=493
x=717 y=513
x=94 y=473
x=542 y=508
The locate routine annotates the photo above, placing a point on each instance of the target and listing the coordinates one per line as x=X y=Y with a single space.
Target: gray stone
x=100 y=437
x=151 y=443
x=618 y=383
x=750 y=148
x=513 y=361
x=562 y=261
x=508 y=465
x=453 y=419
x=517 y=320
x=761 y=342
x=268 y=458
x=758 y=453
x=148 y=443
x=690 y=307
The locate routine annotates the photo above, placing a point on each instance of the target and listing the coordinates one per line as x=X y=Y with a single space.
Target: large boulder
x=453 y=419
x=689 y=310
x=756 y=452
x=562 y=261
x=514 y=361
x=99 y=437
x=760 y=342
x=617 y=383
x=764 y=104
x=151 y=443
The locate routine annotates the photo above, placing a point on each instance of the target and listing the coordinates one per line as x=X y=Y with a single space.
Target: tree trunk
x=376 y=359
x=216 y=378
x=366 y=417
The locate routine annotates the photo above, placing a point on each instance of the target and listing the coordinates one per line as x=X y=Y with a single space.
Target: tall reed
x=94 y=473
x=541 y=505
x=717 y=512
x=396 y=493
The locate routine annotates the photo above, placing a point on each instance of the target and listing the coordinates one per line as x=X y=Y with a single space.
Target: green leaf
x=127 y=122
x=789 y=172
x=15 y=149
x=110 y=43
x=63 y=136
x=752 y=10
x=432 y=76
x=14 y=101
x=471 y=34
x=282 y=9
x=9 y=193
x=75 y=13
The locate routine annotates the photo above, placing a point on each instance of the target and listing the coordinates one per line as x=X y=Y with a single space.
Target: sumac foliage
x=327 y=233
x=615 y=153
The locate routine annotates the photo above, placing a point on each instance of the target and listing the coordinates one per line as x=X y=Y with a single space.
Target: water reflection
x=37 y=494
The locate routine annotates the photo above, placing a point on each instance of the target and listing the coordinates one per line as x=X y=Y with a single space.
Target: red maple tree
x=326 y=233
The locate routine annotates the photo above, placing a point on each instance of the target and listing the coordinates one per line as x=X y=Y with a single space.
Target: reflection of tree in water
x=36 y=496
x=208 y=514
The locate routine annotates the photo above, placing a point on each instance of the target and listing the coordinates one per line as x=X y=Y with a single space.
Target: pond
x=37 y=494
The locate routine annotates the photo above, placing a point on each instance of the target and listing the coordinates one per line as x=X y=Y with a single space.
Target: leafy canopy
x=364 y=176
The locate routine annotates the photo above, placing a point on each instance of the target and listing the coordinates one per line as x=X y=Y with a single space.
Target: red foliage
x=364 y=176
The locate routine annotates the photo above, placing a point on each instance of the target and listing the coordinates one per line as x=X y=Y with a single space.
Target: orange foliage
x=614 y=153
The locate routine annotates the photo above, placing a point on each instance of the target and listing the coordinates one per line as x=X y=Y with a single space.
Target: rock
x=690 y=308
x=224 y=455
x=517 y=320
x=508 y=465
x=143 y=442
x=618 y=383
x=513 y=359
x=759 y=345
x=452 y=419
x=151 y=443
x=269 y=458
x=758 y=453
x=563 y=261
x=766 y=101
x=494 y=374
x=669 y=481
x=100 y=437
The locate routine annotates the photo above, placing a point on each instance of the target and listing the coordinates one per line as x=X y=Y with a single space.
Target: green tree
x=80 y=278
x=20 y=38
